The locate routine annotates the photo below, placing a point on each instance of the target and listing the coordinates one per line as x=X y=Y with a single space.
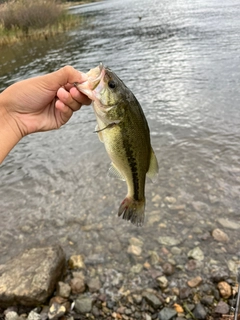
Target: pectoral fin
x=114 y=173
x=153 y=167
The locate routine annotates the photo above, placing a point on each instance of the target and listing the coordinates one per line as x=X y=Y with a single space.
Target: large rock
x=30 y=278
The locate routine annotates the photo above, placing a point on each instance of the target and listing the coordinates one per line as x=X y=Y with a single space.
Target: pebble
x=135 y=250
x=167 y=314
x=162 y=282
x=76 y=262
x=169 y=241
x=222 y=307
x=234 y=225
x=219 y=275
x=220 y=236
x=233 y=266
x=77 y=285
x=94 y=284
x=196 y=254
x=83 y=304
x=136 y=242
x=11 y=315
x=137 y=268
x=194 y=282
x=199 y=312
x=207 y=300
x=33 y=315
x=176 y=251
x=224 y=289
x=178 y=308
x=170 y=199
x=56 y=311
x=137 y=298
x=63 y=289
x=152 y=299
x=168 y=269
x=154 y=258
x=156 y=198
x=184 y=293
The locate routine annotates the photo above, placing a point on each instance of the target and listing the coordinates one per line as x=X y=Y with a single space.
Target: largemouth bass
x=123 y=128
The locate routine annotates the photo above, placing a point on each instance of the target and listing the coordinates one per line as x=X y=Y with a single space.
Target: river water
x=181 y=60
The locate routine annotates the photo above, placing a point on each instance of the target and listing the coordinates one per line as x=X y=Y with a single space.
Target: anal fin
x=153 y=166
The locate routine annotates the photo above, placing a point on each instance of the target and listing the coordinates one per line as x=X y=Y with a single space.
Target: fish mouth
x=95 y=75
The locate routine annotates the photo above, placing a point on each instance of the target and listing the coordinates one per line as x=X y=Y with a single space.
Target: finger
x=80 y=97
x=66 y=98
x=64 y=111
x=67 y=75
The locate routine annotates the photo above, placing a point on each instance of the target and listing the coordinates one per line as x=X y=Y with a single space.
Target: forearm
x=9 y=136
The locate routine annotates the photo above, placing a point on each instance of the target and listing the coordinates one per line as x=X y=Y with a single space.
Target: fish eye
x=111 y=84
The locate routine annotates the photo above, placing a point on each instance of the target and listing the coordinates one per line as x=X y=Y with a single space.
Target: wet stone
x=234 y=225
x=199 y=312
x=194 y=282
x=11 y=315
x=56 y=311
x=167 y=314
x=94 y=285
x=222 y=307
x=137 y=298
x=184 y=293
x=169 y=241
x=136 y=242
x=162 y=282
x=34 y=316
x=170 y=200
x=219 y=275
x=136 y=268
x=224 y=289
x=63 y=289
x=207 y=300
x=135 y=250
x=83 y=305
x=152 y=299
x=154 y=258
x=76 y=262
x=77 y=285
x=196 y=254
x=220 y=236
x=168 y=269
x=30 y=278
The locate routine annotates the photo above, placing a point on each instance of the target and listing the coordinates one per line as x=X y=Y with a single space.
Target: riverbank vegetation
x=24 y=19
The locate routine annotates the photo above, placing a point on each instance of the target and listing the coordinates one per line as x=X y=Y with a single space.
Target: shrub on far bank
x=29 y=14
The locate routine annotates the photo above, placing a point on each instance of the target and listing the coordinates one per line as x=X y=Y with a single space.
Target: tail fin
x=132 y=210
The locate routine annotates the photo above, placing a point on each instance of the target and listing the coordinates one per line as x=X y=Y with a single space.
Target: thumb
x=64 y=76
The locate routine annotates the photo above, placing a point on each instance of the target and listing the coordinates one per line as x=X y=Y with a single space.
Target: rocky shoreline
x=42 y=284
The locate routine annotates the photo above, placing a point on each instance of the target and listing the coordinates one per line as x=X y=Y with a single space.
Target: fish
x=123 y=128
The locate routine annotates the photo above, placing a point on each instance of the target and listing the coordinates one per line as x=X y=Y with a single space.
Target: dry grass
x=24 y=19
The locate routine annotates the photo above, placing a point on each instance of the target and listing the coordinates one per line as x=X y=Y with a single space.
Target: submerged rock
x=30 y=278
x=220 y=236
x=196 y=254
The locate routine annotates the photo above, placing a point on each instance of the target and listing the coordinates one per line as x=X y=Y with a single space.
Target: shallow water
x=181 y=60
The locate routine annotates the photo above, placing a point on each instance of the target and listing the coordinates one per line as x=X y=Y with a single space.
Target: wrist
x=9 y=132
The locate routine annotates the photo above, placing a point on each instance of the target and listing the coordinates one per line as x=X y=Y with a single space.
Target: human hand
x=43 y=103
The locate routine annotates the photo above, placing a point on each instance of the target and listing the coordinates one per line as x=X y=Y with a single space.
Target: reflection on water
x=181 y=60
